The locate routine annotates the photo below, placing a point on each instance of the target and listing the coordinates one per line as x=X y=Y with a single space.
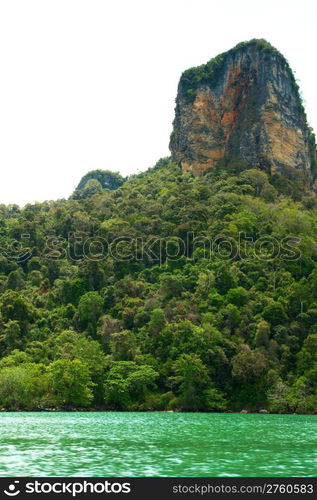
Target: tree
x=72 y=290
x=107 y=326
x=35 y=277
x=16 y=280
x=73 y=345
x=123 y=345
x=205 y=283
x=232 y=317
x=248 y=365
x=91 y=187
x=286 y=398
x=172 y=285
x=224 y=281
x=12 y=337
x=157 y=320
x=127 y=383
x=191 y=378
x=104 y=178
x=307 y=357
x=90 y=309
x=274 y=313
x=255 y=178
x=14 y=306
x=22 y=387
x=70 y=383
x=262 y=334
x=237 y=296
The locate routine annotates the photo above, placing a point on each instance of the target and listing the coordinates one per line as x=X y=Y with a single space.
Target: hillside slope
x=144 y=297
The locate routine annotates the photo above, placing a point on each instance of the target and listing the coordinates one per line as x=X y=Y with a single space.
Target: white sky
x=89 y=84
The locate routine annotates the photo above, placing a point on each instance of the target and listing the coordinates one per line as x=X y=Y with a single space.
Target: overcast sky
x=89 y=84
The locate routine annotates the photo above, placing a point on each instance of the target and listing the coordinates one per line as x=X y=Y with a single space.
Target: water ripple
x=157 y=444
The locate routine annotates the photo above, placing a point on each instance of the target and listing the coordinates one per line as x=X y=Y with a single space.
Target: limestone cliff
x=242 y=108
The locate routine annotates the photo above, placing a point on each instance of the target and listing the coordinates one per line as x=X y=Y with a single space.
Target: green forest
x=161 y=291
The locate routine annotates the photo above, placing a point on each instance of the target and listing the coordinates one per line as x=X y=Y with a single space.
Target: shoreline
x=101 y=410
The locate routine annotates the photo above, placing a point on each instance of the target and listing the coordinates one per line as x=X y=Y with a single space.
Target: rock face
x=242 y=109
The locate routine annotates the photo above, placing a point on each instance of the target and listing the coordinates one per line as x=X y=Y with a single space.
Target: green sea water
x=157 y=444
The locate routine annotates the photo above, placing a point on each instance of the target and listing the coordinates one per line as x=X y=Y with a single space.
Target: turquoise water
x=157 y=444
